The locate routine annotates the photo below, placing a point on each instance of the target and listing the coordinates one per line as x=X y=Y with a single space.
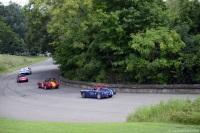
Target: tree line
x=13 y=29
x=116 y=41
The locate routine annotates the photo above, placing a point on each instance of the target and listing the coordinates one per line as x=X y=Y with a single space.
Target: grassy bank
x=174 y=111
x=10 y=63
x=18 y=126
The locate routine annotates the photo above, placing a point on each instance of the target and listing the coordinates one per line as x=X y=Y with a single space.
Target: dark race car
x=98 y=91
x=49 y=83
x=22 y=78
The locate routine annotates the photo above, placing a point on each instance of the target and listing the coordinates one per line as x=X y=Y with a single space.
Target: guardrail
x=151 y=88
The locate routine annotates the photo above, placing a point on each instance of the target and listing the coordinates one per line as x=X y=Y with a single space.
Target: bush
x=174 y=110
x=186 y=117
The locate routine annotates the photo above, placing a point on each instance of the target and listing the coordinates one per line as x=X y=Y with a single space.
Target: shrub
x=174 y=110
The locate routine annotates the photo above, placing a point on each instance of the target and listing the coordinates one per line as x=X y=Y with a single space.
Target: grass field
x=10 y=63
x=18 y=126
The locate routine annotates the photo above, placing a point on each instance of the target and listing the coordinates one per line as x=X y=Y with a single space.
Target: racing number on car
x=91 y=93
x=53 y=84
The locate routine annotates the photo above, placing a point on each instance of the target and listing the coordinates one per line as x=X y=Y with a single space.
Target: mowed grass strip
x=10 y=63
x=19 y=126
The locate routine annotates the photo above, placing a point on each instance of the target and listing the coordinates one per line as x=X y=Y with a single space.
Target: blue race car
x=98 y=91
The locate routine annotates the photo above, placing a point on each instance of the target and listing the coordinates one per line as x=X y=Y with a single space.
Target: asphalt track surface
x=25 y=101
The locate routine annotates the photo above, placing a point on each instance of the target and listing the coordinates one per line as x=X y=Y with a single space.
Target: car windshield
x=24 y=69
x=50 y=80
x=21 y=75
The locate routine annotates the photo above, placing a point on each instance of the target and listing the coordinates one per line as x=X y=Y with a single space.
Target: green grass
x=174 y=111
x=19 y=126
x=10 y=63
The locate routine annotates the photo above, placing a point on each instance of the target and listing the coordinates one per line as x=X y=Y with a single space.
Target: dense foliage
x=13 y=29
x=116 y=41
x=38 y=39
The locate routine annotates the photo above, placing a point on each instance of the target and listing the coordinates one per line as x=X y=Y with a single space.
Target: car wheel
x=83 y=95
x=111 y=93
x=98 y=96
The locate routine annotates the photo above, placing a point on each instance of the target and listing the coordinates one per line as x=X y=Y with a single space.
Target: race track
x=25 y=101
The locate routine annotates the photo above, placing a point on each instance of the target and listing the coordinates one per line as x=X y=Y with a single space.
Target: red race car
x=22 y=78
x=49 y=83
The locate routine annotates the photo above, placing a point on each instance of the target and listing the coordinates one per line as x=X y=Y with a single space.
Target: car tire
x=111 y=93
x=83 y=95
x=98 y=96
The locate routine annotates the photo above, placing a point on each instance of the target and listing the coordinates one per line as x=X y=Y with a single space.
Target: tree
x=196 y=60
x=70 y=26
x=38 y=38
x=15 y=18
x=7 y=37
x=113 y=27
x=133 y=41
x=91 y=36
x=186 y=23
x=156 y=57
